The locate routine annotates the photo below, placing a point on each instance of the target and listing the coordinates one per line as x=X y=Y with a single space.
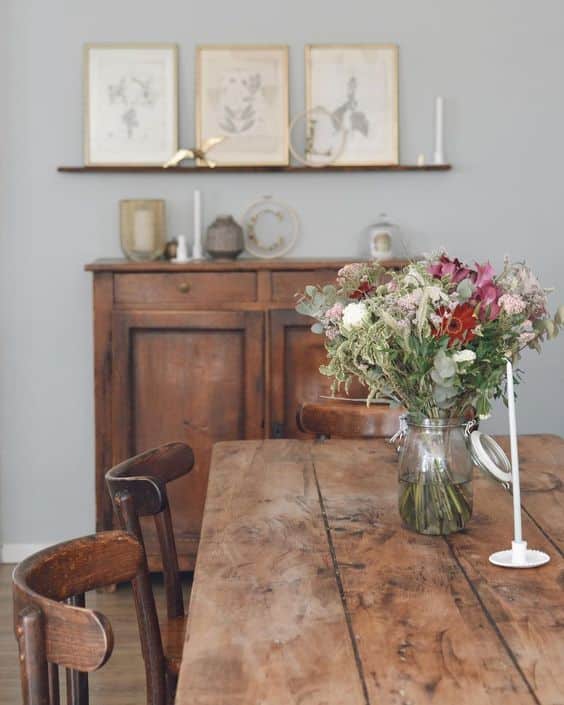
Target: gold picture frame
x=122 y=119
x=382 y=145
x=245 y=101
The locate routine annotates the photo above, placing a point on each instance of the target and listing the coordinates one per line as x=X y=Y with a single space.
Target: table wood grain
x=308 y=591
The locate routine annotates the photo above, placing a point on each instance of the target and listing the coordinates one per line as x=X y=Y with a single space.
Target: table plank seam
x=543 y=531
x=492 y=622
x=340 y=587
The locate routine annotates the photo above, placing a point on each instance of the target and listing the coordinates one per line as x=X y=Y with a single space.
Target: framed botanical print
x=131 y=104
x=242 y=95
x=353 y=92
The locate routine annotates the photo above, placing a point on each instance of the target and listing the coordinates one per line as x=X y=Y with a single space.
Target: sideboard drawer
x=286 y=284
x=186 y=287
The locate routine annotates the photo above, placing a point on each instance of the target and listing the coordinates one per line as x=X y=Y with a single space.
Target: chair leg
x=171 y=683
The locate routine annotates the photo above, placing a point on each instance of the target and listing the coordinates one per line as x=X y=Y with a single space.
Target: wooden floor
x=121 y=681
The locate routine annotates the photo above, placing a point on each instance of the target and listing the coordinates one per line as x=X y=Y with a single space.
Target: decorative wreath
x=283 y=242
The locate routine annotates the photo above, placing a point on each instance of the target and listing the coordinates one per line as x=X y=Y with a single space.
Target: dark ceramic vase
x=224 y=238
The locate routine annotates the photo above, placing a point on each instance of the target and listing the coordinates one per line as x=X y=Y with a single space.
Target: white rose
x=354 y=315
x=434 y=292
x=464 y=356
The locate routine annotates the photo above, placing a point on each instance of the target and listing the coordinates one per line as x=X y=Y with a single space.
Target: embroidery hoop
x=282 y=211
x=304 y=159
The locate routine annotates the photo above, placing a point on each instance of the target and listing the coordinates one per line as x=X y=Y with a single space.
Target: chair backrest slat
x=54 y=628
x=54 y=686
x=30 y=635
x=143 y=478
x=173 y=586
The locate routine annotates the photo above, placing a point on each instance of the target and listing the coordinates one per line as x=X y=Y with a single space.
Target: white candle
x=439 y=156
x=143 y=230
x=518 y=537
x=197 y=252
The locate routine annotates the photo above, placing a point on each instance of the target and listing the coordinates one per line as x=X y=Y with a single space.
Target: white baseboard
x=16 y=552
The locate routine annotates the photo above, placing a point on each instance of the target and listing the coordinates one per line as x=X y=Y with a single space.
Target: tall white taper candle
x=514 y=455
x=197 y=252
x=439 y=155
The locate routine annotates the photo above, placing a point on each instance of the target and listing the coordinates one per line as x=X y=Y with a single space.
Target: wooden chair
x=53 y=628
x=347 y=419
x=138 y=488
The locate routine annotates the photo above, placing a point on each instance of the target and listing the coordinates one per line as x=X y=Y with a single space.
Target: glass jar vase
x=435 y=476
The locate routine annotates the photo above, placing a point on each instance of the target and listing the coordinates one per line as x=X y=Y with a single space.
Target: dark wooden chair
x=54 y=629
x=346 y=419
x=137 y=487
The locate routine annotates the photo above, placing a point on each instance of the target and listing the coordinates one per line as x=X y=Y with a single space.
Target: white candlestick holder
x=518 y=556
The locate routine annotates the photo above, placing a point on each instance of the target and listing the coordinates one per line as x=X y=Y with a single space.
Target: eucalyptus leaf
x=465 y=289
x=445 y=365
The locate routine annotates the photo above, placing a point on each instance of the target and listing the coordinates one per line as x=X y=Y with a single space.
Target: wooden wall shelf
x=245 y=169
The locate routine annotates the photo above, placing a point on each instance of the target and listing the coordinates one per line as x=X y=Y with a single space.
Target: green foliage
x=403 y=337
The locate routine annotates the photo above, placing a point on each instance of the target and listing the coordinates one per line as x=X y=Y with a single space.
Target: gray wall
x=497 y=63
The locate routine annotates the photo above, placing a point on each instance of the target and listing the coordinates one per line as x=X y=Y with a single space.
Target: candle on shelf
x=420 y=160
x=143 y=230
x=197 y=251
x=439 y=156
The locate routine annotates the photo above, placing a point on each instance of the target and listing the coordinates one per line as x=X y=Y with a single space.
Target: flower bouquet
x=433 y=337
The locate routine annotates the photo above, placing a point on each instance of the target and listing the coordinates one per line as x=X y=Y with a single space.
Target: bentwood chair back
x=348 y=419
x=137 y=487
x=54 y=629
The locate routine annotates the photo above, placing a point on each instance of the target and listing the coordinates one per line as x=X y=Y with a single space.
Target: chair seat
x=173 y=634
x=348 y=419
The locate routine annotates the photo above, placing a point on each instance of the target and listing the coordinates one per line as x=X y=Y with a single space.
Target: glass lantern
x=142 y=229
x=381 y=236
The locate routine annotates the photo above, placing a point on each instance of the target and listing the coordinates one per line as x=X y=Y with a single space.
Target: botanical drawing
x=130 y=93
x=345 y=117
x=240 y=100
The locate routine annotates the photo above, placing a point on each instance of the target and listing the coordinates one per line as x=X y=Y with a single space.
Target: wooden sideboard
x=200 y=352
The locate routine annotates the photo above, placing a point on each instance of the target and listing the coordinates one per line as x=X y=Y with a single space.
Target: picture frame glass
x=242 y=95
x=131 y=104
x=357 y=85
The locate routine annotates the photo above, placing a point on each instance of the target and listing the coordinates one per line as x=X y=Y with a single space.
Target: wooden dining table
x=308 y=590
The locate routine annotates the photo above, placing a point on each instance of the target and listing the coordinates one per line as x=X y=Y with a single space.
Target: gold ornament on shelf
x=199 y=153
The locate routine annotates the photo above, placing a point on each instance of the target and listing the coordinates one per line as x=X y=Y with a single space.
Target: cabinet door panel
x=295 y=357
x=195 y=377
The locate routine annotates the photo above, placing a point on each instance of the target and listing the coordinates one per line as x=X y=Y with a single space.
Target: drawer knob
x=184 y=287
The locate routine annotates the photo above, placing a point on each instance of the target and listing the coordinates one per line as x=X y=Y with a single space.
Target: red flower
x=458 y=325
x=364 y=289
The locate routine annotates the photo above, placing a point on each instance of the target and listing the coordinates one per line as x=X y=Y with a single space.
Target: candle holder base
x=519 y=556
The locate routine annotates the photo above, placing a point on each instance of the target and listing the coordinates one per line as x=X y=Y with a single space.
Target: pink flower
x=335 y=313
x=454 y=269
x=512 y=304
x=486 y=293
x=487 y=296
x=485 y=274
x=409 y=302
